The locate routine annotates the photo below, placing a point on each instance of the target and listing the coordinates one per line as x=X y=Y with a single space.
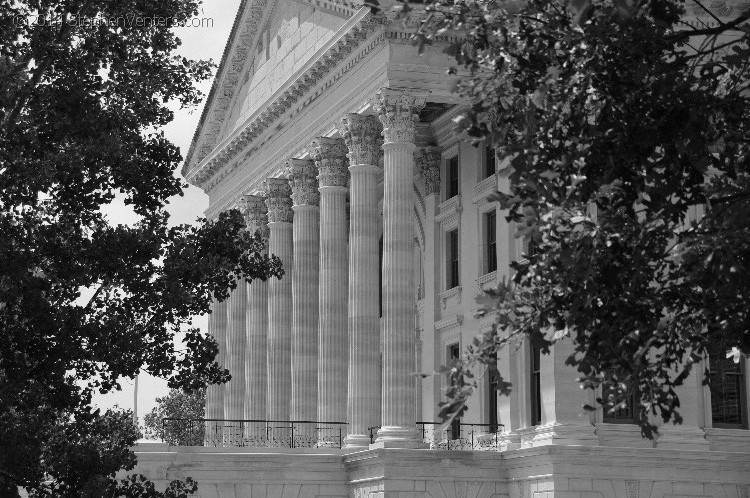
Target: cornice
x=239 y=44
x=251 y=17
x=301 y=88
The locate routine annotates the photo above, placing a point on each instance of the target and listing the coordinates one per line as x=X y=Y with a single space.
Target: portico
x=336 y=140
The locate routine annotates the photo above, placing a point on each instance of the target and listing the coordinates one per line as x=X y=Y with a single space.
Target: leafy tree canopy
x=177 y=404
x=614 y=121
x=83 y=94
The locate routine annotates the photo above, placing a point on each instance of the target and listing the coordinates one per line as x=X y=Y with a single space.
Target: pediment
x=269 y=41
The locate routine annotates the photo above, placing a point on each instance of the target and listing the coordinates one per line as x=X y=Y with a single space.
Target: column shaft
x=333 y=367
x=334 y=340
x=397 y=111
x=256 y=361
x=217 y=322
x=363 y=405
x=256 y=319
x=234 y=404
x=279 y=300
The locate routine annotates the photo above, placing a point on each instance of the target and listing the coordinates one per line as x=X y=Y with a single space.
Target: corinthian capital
x=398 y=111
x=255 y=211
x=278 y=200
x=427 y=160
x=362 y=137
x=331 y=161
x=302 y=176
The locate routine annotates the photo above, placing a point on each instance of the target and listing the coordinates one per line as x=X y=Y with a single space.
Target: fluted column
x=234 y=404
x=279 y=203
x=256 y=319
x=217 y=323
x=362 y=136
x=305 y=197
x=333 y=343
x=397 y=110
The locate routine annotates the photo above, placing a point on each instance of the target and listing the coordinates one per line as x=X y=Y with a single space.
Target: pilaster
x=427 y=160
x=563 y=419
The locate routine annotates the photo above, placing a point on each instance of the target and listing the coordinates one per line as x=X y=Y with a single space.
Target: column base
x=509 y=441
x=357 y=441
x=565 y=434
x=399 y=437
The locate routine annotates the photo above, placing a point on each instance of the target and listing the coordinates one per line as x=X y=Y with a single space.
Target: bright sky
x=205 y=42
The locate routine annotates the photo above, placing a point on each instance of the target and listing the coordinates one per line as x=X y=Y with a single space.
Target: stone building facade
x=335 y=139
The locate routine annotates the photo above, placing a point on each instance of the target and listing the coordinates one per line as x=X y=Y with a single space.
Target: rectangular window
x=492 y=400
x=727 y=383
x=452 y=279
x=490 y=162
x=624 y=414
x=536 y=385
x=490 y=241
x=452 y=186
x=454 y=353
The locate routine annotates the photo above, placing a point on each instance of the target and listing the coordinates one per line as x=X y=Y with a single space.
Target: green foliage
x=614 y=119
x=81 y=108
x=177 y=404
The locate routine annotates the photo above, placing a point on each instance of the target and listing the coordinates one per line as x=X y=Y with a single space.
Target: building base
x=538 y=472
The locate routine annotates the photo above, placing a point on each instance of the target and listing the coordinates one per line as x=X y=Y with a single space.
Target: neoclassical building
x=335 y=138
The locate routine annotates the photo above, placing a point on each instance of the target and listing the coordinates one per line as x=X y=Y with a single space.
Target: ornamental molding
x=331 y=161
x=209 y=166
x=362 y=136
x=449 y=294
x=427 y=160
x=303 y=180
x=449 y=323
x=255 y=212
x=278 y=200
x=398 y=111
x=449 y=213
x=483 y=189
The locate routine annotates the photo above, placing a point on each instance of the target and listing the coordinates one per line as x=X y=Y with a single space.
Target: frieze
x=398 y=110
x=303 y=180
x=330 y=156
x=277 y=192
x=362 y=137
x=368 y=24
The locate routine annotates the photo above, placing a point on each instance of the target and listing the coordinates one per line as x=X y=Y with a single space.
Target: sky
x=205 y=42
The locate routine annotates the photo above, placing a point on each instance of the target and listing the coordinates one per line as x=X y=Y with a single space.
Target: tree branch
x=684 y=34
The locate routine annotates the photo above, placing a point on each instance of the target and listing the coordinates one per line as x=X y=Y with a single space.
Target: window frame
x=452 y=184
x=490 y=158
x=741 y=374
x=489 y=223
x=452 y=261
x=535 y=384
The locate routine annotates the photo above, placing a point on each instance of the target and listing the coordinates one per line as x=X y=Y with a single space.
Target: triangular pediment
x=270 y=41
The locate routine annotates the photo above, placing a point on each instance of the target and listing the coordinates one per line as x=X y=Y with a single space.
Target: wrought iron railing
x=253 y=433
x=456 y=436
x=313 y=434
